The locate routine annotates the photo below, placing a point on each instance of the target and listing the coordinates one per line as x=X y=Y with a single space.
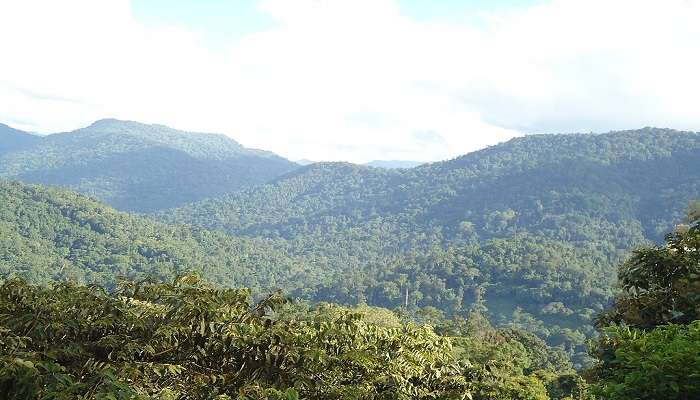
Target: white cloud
x=356 y=80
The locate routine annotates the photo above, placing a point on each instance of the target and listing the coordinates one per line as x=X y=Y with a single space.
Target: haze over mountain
x=135 y=166
x=305 y=161
x=388 y=164
x=391 y=164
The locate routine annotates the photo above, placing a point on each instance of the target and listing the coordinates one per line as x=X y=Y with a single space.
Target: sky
x=353 y=80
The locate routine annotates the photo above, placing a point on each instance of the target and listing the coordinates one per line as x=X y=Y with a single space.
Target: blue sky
x=220 y=21
x=353 y=80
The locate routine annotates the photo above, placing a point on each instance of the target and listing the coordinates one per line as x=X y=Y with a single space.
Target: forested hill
x=531 y=229
x=616 y=189
x=51 y=234
x=137 y=167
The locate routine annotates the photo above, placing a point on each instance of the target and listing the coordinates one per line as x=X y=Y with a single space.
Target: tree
x=649 y=346
x=662 y=363
x=661 y=284
x=189 y=340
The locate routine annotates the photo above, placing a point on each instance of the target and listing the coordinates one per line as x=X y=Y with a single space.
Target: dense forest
x=51 y=234
x=649 y=347
x=531 y=230
x=137 y=167
x=188 y=340
x=503 y=252
x=349 y=200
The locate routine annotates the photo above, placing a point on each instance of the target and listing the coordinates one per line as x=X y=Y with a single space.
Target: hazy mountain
x=12 y=139
x=139 y=167
x=305 y=162
x=391 y=164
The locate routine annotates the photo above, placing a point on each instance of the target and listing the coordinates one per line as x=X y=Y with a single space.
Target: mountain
x=530 y=229
x=12 y=139
x=138 y=167
x=305 y=162
x=640 y=180
x=52 y=234
x=621 y=188
x=391 y=164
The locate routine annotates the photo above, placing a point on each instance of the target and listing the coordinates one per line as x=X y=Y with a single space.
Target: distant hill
x=532 y=229
x=138 y=167
x=391 y=164
x=305 y=162
x=12 y=139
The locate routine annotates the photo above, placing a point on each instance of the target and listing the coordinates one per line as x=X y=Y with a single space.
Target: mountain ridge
x=141 y=167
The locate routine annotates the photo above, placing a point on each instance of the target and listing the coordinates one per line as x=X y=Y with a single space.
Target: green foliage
x=661 y=284
x=663 y=363
x=51 y=235
x=508 y=363
x=650 y=341
x=535 y=225
x=528 y=231
x=188 y=340
x=137 y=167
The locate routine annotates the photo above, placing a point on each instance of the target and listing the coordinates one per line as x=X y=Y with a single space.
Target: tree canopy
x=649 y=346
x=188 y=340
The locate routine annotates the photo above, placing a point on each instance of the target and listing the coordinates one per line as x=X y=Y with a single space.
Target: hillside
x=617 y=188
x=138 y=167
x=12 y=139
x=531 y=229
x=49 y=234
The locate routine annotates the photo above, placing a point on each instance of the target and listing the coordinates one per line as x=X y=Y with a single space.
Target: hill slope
x=50 y=234
x=139 y=167
x=532 y=229
x=618 y=188
x=12 y=139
